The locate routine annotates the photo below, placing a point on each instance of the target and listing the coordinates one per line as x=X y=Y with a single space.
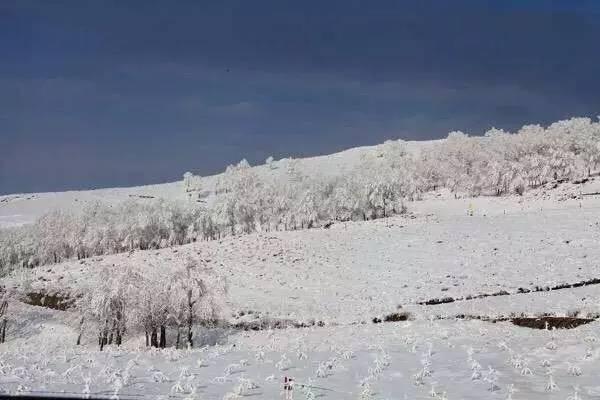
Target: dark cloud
x=120 y=93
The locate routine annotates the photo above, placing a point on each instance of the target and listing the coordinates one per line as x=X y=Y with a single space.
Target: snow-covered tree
x=194 y=297
x=188 y=180
x=108 y=303
x=270 y=162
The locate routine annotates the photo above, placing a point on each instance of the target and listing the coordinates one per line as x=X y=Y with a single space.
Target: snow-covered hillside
x=18 y=209
x=422 y=301
x=346 y=276
x=359 y=184
x=368 y=269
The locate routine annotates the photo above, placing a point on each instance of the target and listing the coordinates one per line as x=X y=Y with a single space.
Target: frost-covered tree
x=188 y=178
x=237 y=190
x=108 y=304
x=270 y=162
x=193 y=298
x=52 y=232
x=191 y=185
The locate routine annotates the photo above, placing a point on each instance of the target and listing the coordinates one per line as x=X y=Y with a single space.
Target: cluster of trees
x=97 y=229
x=154 y=301
x=245 y=200
x=497 y=163
x=243 y=203
x=501 y=162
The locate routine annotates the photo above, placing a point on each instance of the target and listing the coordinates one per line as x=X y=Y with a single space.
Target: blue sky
x=114 y=93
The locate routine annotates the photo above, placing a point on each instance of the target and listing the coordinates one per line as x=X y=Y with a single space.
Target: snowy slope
x=358 y=270
x=343 y=276
x=17 y=209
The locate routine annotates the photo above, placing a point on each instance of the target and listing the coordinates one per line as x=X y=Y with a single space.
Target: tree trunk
x=110 y=336
x=3 y=330
x=190 y=336
x=80 y=331
x=178 y=338
x=190 y=319
x=147 y=338
x=154 y=337
x=119 y=327
x=118 y=337
x=163 y=337
x=104 y=335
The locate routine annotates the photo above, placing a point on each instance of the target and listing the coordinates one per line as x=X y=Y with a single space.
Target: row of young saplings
x=152 y=300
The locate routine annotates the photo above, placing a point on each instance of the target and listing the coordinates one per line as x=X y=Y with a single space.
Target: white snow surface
x=355 y=271
x=343 y=276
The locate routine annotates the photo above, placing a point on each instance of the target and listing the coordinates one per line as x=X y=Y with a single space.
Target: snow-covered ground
x=358 y=270
x=18 y=209
x=453 y=359
x=345 y=276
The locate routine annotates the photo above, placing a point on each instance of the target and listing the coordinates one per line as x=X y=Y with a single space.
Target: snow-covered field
x=482 y=259
x=345 y=276
x=366 y=269
x=414 y=360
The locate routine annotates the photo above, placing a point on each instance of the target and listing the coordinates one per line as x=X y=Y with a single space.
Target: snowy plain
x=344 y=277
